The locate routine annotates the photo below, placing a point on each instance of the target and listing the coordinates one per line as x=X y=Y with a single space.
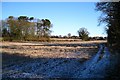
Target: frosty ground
x=54 y=60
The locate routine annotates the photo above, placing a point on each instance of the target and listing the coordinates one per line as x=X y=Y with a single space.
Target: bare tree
x=83 y=33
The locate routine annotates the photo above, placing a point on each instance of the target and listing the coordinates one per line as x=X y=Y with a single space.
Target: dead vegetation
x=37 y=58
x=49 y=50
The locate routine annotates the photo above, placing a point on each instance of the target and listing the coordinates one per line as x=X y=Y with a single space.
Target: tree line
x=111 y=17
x=25 y=28
x=77 y=37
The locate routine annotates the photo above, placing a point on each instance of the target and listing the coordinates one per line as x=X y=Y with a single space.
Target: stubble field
x=45 y=59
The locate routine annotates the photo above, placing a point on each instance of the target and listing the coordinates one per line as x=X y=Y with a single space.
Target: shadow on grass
x=10 y=59
x=67 y=45
x=43 y=67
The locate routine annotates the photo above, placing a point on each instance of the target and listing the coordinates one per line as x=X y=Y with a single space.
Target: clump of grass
x=82 y=60
x=65 y=61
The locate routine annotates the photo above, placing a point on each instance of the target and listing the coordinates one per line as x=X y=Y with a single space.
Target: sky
x=66 y=17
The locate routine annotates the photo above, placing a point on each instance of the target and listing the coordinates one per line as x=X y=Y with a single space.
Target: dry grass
x=20 y=58
x=49 y=51
x=15 y=52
